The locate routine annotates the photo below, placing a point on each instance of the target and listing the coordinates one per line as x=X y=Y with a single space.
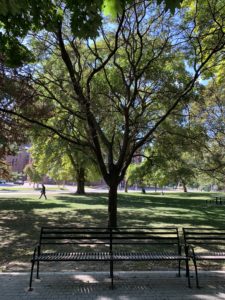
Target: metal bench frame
x=111 y=239
x=204 y=237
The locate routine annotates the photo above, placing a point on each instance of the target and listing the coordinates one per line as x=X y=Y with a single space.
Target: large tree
x=123 y=85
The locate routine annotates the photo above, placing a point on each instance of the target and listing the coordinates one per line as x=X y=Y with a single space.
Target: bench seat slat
x=147 y=256
x=210 y=255
x=117 y=256
x=73 y=256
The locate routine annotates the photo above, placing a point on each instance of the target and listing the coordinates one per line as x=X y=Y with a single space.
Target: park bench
x=216 y=201
x=107 y=245
x=204 y=244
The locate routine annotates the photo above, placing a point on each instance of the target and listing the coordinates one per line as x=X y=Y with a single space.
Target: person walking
x=43 y=191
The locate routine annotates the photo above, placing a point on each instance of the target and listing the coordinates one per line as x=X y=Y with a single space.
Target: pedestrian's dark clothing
x=43 y=192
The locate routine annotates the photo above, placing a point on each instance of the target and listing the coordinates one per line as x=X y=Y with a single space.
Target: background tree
x=33 y=175
x=210 y=116
x=129 y=176
x=13 y=130
x=173 y=155
x=189 y=149
x=61 y=161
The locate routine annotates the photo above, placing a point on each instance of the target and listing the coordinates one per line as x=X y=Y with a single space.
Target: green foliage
x=16 y=176
x=11 y=6
x=4 y=170
x=32 y=172
x=113 y=7
x=60 y=160
x=210 y=115
x=9 y=46
x=208 y=31
x=173 y=155
x=84 y=17
x=171 y=4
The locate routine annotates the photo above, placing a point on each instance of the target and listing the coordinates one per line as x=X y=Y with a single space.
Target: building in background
x=20 y=160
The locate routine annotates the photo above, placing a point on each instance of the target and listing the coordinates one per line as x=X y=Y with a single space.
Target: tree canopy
x=18 y=18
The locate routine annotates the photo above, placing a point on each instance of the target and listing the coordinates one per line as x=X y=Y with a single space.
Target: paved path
x=68 y=190
x=96 y=285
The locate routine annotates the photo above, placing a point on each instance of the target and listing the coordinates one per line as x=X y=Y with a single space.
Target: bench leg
x=37 y=275
x=111 y=273
x=188 y=273
x=31 y=275
x=179 y=263
x=196 y=273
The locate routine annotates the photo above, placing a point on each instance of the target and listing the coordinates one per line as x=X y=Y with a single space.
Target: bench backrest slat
x=204 y=236
x=109 y=237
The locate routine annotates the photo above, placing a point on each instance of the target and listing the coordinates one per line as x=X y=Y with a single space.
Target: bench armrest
x=36 y=249
x=189 y=250
x=186 y=249
x=193 y=250
x=180 y=249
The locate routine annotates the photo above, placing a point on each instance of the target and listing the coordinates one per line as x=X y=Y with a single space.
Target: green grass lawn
x=21 y=217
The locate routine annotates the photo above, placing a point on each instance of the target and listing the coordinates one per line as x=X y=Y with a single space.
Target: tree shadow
x=21 y=219
x=87 y=199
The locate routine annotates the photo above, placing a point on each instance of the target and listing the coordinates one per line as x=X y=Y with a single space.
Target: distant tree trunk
x=80 y=174
x=155 y=187
x=80 y=181
x=35 y=185
x=184 y=186
x=126 y=186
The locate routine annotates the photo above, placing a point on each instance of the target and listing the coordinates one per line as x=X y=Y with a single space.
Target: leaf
x=111 y=7
x=3 y=7
x=171 y=4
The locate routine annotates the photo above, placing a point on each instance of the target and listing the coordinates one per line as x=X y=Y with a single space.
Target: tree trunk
x=184 y=187
x=126 y=186
x=80 y=181
x=112 y=206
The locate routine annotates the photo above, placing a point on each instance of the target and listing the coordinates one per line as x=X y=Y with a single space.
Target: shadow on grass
x=136 y=200
x=27 y=205
x=22 y=218
x=87 y=199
